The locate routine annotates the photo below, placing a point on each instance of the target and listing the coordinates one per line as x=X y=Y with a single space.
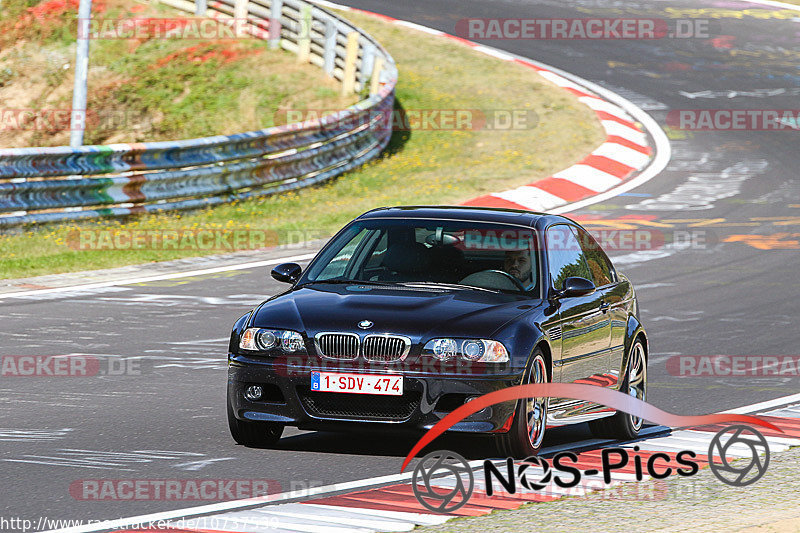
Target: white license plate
x=357 y=383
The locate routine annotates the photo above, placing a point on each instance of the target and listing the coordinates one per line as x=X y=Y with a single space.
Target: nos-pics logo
x=443 y=481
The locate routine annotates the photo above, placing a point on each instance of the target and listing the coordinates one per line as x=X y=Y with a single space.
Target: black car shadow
x=396 y=444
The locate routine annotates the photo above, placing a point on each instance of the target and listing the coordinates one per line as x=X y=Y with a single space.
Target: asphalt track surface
x=731 y=298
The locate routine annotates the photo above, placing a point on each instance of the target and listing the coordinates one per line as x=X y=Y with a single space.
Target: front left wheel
x=253 y=434
x=526 y=435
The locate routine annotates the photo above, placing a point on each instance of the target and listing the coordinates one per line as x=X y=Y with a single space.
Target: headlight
x=472 y=350
x=292 y=342
x=475 y=350
x=272 y=340
x=443 y=348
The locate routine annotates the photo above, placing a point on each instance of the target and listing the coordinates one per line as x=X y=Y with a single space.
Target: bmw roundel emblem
x=365 y=324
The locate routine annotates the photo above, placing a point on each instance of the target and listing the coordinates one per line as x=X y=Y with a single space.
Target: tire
x=624 y=426
x=253 y=434
x=530 y=417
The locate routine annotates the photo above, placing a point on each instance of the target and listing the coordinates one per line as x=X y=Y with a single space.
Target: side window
x=565 y=256
x=598 y=262
x=378 y=252
x=341 y=260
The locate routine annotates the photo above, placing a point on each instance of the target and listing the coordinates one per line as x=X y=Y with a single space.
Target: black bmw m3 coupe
x=410 y=312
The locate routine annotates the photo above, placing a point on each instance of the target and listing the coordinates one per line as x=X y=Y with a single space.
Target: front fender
x=634 y=329
x=526 y=336
x=520 y=338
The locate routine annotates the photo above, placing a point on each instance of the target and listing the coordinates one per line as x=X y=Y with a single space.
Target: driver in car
x=518 y=264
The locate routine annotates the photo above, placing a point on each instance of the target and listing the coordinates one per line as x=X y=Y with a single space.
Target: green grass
x=421 y=167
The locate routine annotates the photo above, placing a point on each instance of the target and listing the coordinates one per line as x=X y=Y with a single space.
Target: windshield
x=458 y=254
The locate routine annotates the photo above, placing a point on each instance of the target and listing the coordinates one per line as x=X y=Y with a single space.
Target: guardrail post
x=77 y=123
x=349 y=78
x=367 y=62
x=377 y=70
x=240 y=18
x=304 y=38
x=330 y=46
x=200 y=7
x=276 y=7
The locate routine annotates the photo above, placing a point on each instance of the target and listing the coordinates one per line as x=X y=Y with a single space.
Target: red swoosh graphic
x=591 y=393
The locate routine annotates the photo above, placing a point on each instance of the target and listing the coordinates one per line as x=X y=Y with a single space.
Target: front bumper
x=427 y=398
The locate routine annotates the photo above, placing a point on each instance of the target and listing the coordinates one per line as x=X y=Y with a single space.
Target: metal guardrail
x=57 y=184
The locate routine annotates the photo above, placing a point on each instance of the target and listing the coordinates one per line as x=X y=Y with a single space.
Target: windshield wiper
x=351 y=282
x=432 y=284
x=448 y=285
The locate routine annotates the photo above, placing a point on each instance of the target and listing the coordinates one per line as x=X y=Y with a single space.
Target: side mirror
x=575 y=286
x=287 y=272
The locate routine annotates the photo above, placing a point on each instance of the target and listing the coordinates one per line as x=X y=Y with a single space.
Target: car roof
x=482 y=214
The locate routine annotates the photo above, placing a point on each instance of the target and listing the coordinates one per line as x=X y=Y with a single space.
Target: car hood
x=414 y=313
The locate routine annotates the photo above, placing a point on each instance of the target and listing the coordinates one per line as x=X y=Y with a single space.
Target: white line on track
x=157 y=277
x=777 y=402
x=418 y=27
x=772 y=3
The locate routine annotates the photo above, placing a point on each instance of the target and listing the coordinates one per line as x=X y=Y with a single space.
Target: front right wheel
x=526 y=435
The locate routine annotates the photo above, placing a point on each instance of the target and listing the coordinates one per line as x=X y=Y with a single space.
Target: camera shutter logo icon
x=443 y=481
x=743 y=440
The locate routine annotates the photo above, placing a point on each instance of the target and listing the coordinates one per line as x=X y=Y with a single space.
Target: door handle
x=604 y=307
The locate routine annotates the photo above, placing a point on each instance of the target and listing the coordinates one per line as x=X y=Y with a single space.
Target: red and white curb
x=625 y=152
x=394 y=507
